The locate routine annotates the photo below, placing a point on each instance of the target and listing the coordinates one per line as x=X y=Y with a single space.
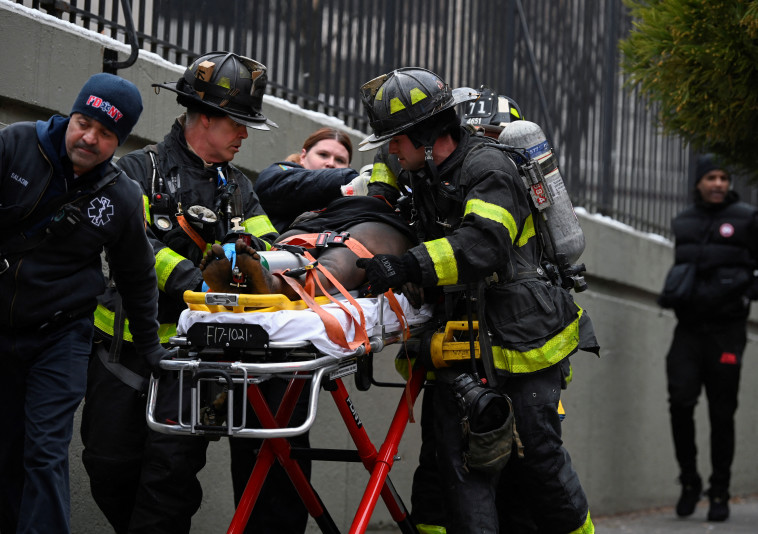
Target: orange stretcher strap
x=187 y=227
x=313 y=241
x=332 y=326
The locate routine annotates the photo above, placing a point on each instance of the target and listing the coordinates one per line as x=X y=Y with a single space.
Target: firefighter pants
x=708 y=356
x=146 y=481
x=45 y=378
x=544 y=479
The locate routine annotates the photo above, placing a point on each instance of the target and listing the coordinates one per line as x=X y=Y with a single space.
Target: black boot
x=719 y=509
x=692 y=489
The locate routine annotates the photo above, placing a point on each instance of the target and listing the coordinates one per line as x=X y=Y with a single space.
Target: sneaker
x=691 y=492
x=719 y=509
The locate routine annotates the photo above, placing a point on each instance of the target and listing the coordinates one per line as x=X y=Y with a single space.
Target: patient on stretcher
x=368 y=220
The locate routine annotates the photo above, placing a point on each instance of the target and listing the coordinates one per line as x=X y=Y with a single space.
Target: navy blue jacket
x=287 y=189
x=63 y=273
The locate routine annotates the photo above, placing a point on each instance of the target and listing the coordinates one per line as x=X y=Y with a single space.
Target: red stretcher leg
x=278 y=449
x=380 y=463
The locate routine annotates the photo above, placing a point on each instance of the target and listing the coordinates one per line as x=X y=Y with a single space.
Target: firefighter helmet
x=396 y=101
x=224 y=82
x=490 y=112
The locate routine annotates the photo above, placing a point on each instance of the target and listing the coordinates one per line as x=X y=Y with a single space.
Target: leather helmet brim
x=259 y=123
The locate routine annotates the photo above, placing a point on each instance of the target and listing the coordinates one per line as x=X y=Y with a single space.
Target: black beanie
x=112 y=101
x=705 y=164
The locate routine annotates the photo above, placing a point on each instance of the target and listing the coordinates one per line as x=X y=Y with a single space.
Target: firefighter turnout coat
x=186 y=182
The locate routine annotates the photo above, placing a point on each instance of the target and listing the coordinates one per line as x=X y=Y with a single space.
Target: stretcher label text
x=227 y=335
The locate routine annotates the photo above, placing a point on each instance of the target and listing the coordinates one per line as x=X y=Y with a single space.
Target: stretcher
x=230 y=344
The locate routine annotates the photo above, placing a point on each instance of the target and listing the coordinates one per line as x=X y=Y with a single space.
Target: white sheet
x=306 y=325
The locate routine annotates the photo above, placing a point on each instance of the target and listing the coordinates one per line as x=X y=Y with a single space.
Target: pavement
x=743 y=519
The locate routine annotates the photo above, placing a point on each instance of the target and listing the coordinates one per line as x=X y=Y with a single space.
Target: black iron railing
x=557 y=59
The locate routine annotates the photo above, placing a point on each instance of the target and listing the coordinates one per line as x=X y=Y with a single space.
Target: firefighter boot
x=692 y=488
x=719 y=508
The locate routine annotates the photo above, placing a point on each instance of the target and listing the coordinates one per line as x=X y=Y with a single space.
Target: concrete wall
x=616 y=427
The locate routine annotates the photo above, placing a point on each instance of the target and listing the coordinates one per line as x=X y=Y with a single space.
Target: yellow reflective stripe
x=165 y=261
x=224 y=82
x=430 y=529
x=396 y=105
x=382 y=173
x=379 y=93
x=528 y=232
x=443 y=258
x=549 y=354
x=104 y=322
x=493 y=212
x=417 y=95
x=570 y=376
x=146 y=207
x=586 y=528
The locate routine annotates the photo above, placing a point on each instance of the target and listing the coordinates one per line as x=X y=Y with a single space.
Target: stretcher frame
x=304 y=363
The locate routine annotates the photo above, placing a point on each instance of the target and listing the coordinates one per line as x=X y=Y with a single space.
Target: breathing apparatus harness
x=198 y=222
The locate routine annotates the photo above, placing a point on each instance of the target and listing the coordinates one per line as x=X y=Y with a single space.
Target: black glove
x=385 y=271
x=257 y=243
x=155 y=358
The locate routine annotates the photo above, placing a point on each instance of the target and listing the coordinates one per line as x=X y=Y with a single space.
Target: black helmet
x=396 y=101
x=227 y=83
x=491 y=111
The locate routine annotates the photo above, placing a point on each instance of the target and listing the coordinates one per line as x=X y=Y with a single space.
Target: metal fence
x=558 y=59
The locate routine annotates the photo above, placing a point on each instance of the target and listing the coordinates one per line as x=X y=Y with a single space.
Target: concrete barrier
x=616 y=427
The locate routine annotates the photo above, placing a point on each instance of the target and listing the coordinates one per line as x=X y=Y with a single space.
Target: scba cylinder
x=547 y=190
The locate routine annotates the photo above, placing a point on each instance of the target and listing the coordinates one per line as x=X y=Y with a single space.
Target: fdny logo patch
x=100 y=211
x=726 y=230
x=109 y=109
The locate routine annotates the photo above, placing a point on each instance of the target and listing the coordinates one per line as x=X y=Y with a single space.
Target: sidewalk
x=743 y=519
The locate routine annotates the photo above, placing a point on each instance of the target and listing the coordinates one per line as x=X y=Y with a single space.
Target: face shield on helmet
x=223 y=82
x=397 y=101
x=491 y=112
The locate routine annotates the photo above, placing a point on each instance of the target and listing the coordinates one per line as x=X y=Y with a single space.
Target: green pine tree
x=698 y=61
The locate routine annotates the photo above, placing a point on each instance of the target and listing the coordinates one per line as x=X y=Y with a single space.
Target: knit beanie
x=112 y=101
x=705 y=164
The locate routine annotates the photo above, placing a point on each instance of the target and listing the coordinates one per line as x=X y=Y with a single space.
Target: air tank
x=559 y=225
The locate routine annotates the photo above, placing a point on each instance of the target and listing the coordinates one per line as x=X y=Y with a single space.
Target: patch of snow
x=608 y=221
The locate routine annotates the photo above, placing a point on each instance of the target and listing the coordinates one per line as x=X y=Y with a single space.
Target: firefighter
x=142 y=480
x=474 y=218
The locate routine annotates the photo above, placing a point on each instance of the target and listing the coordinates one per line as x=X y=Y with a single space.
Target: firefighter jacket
x=182 y=180
x=287 y=189
x=62 y=274
x=475 y=222
x=722 y=241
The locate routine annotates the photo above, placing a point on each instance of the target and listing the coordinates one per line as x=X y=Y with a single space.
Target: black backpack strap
x=124 y=374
